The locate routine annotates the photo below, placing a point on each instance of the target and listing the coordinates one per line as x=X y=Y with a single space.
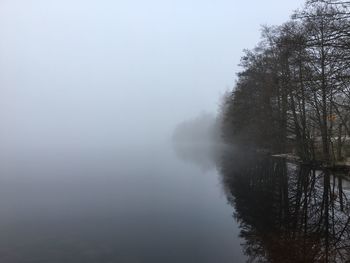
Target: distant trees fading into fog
x=293 y=92
x=202 y=129
x=198 y=141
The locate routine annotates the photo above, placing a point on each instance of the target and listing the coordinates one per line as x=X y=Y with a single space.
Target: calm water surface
x=170 y=203
x=134 y=204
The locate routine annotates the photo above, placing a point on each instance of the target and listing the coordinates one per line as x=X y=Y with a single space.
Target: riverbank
x=339 y=166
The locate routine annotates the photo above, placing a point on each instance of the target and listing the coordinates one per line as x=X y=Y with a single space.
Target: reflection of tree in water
x=288 y=213
x=198 y=141
x=202 y=155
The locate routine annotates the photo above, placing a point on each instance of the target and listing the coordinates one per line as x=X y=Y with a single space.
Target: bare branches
x=294 y=91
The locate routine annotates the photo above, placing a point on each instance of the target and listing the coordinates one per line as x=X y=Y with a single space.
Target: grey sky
x=101 y=71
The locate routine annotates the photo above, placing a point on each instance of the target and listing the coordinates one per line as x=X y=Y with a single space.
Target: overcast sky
x=99 y=72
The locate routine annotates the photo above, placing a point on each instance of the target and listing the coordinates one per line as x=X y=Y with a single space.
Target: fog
x=198 y=141
x=102 y=73
x=205 y=128
x=110 y=146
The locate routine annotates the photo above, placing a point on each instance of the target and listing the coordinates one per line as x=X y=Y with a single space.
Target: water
x=288 y=212
x=169 y=203
x=139 y=204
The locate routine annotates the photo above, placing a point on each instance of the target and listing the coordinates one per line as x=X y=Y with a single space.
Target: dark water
x=288 y=212
x=154 y=204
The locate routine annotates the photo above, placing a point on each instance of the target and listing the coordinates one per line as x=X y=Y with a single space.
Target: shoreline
x=338 y=167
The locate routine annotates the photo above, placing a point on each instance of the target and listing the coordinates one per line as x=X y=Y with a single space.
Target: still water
x=139 y=204
x=169 y=203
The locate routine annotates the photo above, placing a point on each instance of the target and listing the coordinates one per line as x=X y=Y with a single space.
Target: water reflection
x=286 y=212
x=205 y=156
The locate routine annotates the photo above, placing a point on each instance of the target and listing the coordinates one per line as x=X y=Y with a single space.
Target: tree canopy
x=293 y=92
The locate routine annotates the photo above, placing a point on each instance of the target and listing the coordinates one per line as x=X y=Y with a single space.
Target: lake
x=132 y=204
x=169 y=203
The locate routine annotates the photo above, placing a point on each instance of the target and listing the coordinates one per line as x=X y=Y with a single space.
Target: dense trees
x=293 y=92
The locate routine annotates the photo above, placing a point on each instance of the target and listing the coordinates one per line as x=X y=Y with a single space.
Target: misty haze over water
x=80 y=74
x=142 y=206
x=110 y=147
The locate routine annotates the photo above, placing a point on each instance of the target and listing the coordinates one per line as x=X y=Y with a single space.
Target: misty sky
x=76 y=72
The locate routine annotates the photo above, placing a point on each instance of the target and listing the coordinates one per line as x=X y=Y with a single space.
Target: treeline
x=293 y=93
x=202 y=129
